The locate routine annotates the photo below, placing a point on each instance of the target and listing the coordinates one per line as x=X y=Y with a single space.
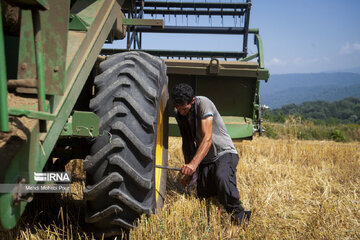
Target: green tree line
x=346 y=111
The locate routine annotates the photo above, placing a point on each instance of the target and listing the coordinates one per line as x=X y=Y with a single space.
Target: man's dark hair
x=182 y=94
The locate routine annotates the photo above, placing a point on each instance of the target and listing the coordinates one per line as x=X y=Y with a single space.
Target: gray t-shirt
x=221 y=140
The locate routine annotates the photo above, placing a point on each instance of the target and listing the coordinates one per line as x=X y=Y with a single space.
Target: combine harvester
x=63 y=97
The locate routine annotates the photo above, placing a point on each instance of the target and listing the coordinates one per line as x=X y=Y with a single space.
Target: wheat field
x=296 y=190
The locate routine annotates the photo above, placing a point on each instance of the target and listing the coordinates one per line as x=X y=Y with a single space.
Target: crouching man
x=208 y=150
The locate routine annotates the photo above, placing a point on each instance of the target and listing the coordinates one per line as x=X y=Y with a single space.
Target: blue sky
x=298 y=36
x=309 y=36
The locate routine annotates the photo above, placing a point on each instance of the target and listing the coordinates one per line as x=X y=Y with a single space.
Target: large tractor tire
x=122 y=182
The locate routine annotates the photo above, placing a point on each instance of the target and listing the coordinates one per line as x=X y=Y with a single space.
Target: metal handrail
x=196 y=30
x=179 y=53
x=259 y=44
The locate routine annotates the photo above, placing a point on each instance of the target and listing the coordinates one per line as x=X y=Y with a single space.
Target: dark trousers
x=219 y=179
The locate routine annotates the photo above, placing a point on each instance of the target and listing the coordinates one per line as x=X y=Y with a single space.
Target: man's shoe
x=238 y=217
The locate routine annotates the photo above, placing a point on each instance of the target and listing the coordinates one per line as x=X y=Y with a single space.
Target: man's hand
x=188 y=169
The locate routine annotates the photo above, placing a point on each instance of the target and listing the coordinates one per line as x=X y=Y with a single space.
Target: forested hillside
x=297 y=88
x=344 y=111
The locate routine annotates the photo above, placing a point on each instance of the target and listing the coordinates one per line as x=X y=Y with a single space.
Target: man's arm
x=206 y=128
x=188 y=146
